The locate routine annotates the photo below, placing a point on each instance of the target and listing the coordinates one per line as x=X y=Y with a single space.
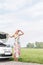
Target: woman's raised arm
x=21 y=33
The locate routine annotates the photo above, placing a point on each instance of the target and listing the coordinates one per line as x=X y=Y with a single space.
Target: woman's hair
x=17 y=31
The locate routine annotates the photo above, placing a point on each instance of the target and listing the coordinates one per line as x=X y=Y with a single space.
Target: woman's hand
x=20 y=33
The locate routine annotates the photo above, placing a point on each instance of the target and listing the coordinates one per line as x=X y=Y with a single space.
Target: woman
x=17 y=35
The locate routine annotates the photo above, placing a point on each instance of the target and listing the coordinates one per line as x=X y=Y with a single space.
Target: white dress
x=17 y=47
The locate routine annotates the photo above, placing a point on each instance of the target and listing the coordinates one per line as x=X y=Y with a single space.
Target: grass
x=31 y=55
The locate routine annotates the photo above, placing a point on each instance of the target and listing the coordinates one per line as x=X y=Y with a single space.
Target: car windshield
x=3 y=36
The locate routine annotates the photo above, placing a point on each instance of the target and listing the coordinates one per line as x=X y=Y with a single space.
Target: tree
x=39 y=44
x=30 y=45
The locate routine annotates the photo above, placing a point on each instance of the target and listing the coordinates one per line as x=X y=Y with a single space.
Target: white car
x=5 y=50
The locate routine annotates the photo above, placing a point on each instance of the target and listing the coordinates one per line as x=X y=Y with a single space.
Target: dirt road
x=16 y=63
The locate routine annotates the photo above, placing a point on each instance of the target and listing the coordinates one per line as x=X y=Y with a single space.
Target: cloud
x=26 y=15
x=33 y=13
x=10 y=6
x=14 y=4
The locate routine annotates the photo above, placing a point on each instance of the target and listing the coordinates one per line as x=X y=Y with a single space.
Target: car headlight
x=1 y=51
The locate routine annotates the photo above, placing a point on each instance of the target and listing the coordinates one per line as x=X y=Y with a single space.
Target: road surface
x=16 y=63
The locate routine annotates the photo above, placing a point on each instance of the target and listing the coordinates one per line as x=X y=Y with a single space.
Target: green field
x=31 y=55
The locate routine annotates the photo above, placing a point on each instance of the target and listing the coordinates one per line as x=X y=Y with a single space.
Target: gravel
x=17 y=63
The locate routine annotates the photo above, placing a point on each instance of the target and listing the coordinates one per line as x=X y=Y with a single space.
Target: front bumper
x=5 y=56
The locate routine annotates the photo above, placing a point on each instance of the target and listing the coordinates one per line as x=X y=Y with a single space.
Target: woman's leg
x=15 y=58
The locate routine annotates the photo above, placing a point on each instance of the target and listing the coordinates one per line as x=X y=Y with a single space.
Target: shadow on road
x=4 y=60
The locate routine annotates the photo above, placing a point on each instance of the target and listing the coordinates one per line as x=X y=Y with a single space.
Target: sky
x=26 y=15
